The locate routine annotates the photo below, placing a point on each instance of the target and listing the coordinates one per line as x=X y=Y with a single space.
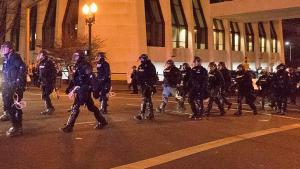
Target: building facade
x=237 y=31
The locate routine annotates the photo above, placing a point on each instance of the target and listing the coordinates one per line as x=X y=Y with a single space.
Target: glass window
x=262 y=37
x=249 y=37
x=179 y=24
x=15 y=31
x=2 y=22
x=200 y=26
x=155 y=25
x=70 y=23
x=235 y=36
x=219 y=34
x=274 y=45
x=33 y=19
x=49 y=25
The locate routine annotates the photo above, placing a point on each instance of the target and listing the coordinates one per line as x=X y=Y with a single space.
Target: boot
x=14 y=131
x=100 y=125
x=48 y=111
x=103 y=107
x=161 y=108
x=71 y=121
x=238 y=113
x=4 y=117
x=139 y=116
x=195 y=117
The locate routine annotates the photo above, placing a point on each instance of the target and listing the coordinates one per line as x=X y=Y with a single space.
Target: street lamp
x=89 y=12
x=290 y=45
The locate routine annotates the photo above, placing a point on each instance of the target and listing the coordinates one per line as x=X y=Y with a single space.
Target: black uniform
x=14 y=82
x=295 y=78
x=215 y=85
x=104 y=83
x=184 y=88
x=47 y=78
x=134 y=81
x=245 y=89
x=198 y=90
x=227 y=86
x=264 y=83
x=146 y=74
x=84 y=78
x=281 y=86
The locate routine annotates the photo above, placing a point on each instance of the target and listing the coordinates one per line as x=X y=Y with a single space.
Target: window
x=2 y=22
x=262 y=37
x=155 y=24
x=70 y=23
x=274 y=46
x=49 y=25
x=219 y=34
x=15 y=31
x=249 y=37
x=179 y=25
x=200 y=26
x=235 y=36
x=33 y=19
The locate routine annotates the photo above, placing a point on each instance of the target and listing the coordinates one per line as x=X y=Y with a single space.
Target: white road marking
x=175 y=155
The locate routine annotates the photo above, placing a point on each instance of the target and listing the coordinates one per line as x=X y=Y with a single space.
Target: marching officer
x=47 y=78
x=147 y=77
x=134 y=82
x=215 y=85
x=184 y=88
x=281 y=86
x=104 y=81
x=198 y=88
x=172 y=79
x=227 y=83
x=245 y=90
x=264 y=84
x=294 y=80
x=81 y=86
x=14 y=82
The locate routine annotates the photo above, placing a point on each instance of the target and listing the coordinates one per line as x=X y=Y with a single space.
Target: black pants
x=217 y=101
x=84 y=97
x=103 y=99
x=8 y=94
x=250 y=98
x=46 y=92
x=293 y=94
x=196 y=103
x=134 y=86
x=281 y=102
x=146 y=99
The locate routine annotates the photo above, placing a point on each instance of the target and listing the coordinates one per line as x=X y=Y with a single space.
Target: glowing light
x=86 y=9
x=93 y=8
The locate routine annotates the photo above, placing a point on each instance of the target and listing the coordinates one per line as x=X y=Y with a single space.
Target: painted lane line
x=281 y=116
x=175 y=155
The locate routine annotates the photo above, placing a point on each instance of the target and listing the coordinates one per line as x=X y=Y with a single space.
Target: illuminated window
x=274 y=46
x=219 y=34
x=262 y=37
x=70 y=23
x=235 y=36
x=15 y=31
x=200 y=26
x=155 y=24
x=49 y=25
x=179 y=25
x=33 y=19
x=249 y=37
x=2 y=22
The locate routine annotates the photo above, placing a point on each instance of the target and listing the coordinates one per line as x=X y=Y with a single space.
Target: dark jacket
x=227 y=78
x=281 y=83
x=198 y=82
x=146 y=74
x=244 y=82
x=47 y=72
x=215 y=82
x=264 y=82
x=172 y=76
x=103 y=72
x=185 y=76
x=14 y=71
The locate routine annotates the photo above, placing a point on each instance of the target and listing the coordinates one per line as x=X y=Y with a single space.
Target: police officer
x=198 y=88
x=294 y=80
x=146 y=74
x=281 y=86
x=184 y=88
x=14 y=82
x=47 y=78
x=134 y=82
x=245 y=89
x=264 y=84
x=227 y=84
x=215 y=85
x=104 y=81
x=172 y=79
x=82 y=86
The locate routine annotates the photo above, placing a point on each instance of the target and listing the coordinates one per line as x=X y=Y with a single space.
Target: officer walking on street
x=264 y=85
x=104 y=81
x=81 y=87
x=14 y=82
x=146 y=74
x=47 y=78
x=198 y=88
x=227 y=83
x=184 y=88
x=172 y=79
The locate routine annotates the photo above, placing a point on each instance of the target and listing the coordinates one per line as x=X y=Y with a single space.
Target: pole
x=90 y=40
x=290 y=53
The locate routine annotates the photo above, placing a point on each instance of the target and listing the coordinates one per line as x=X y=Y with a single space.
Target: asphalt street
x=171 y=140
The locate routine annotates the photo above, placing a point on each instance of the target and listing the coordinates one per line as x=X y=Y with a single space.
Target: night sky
x=291 y=33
